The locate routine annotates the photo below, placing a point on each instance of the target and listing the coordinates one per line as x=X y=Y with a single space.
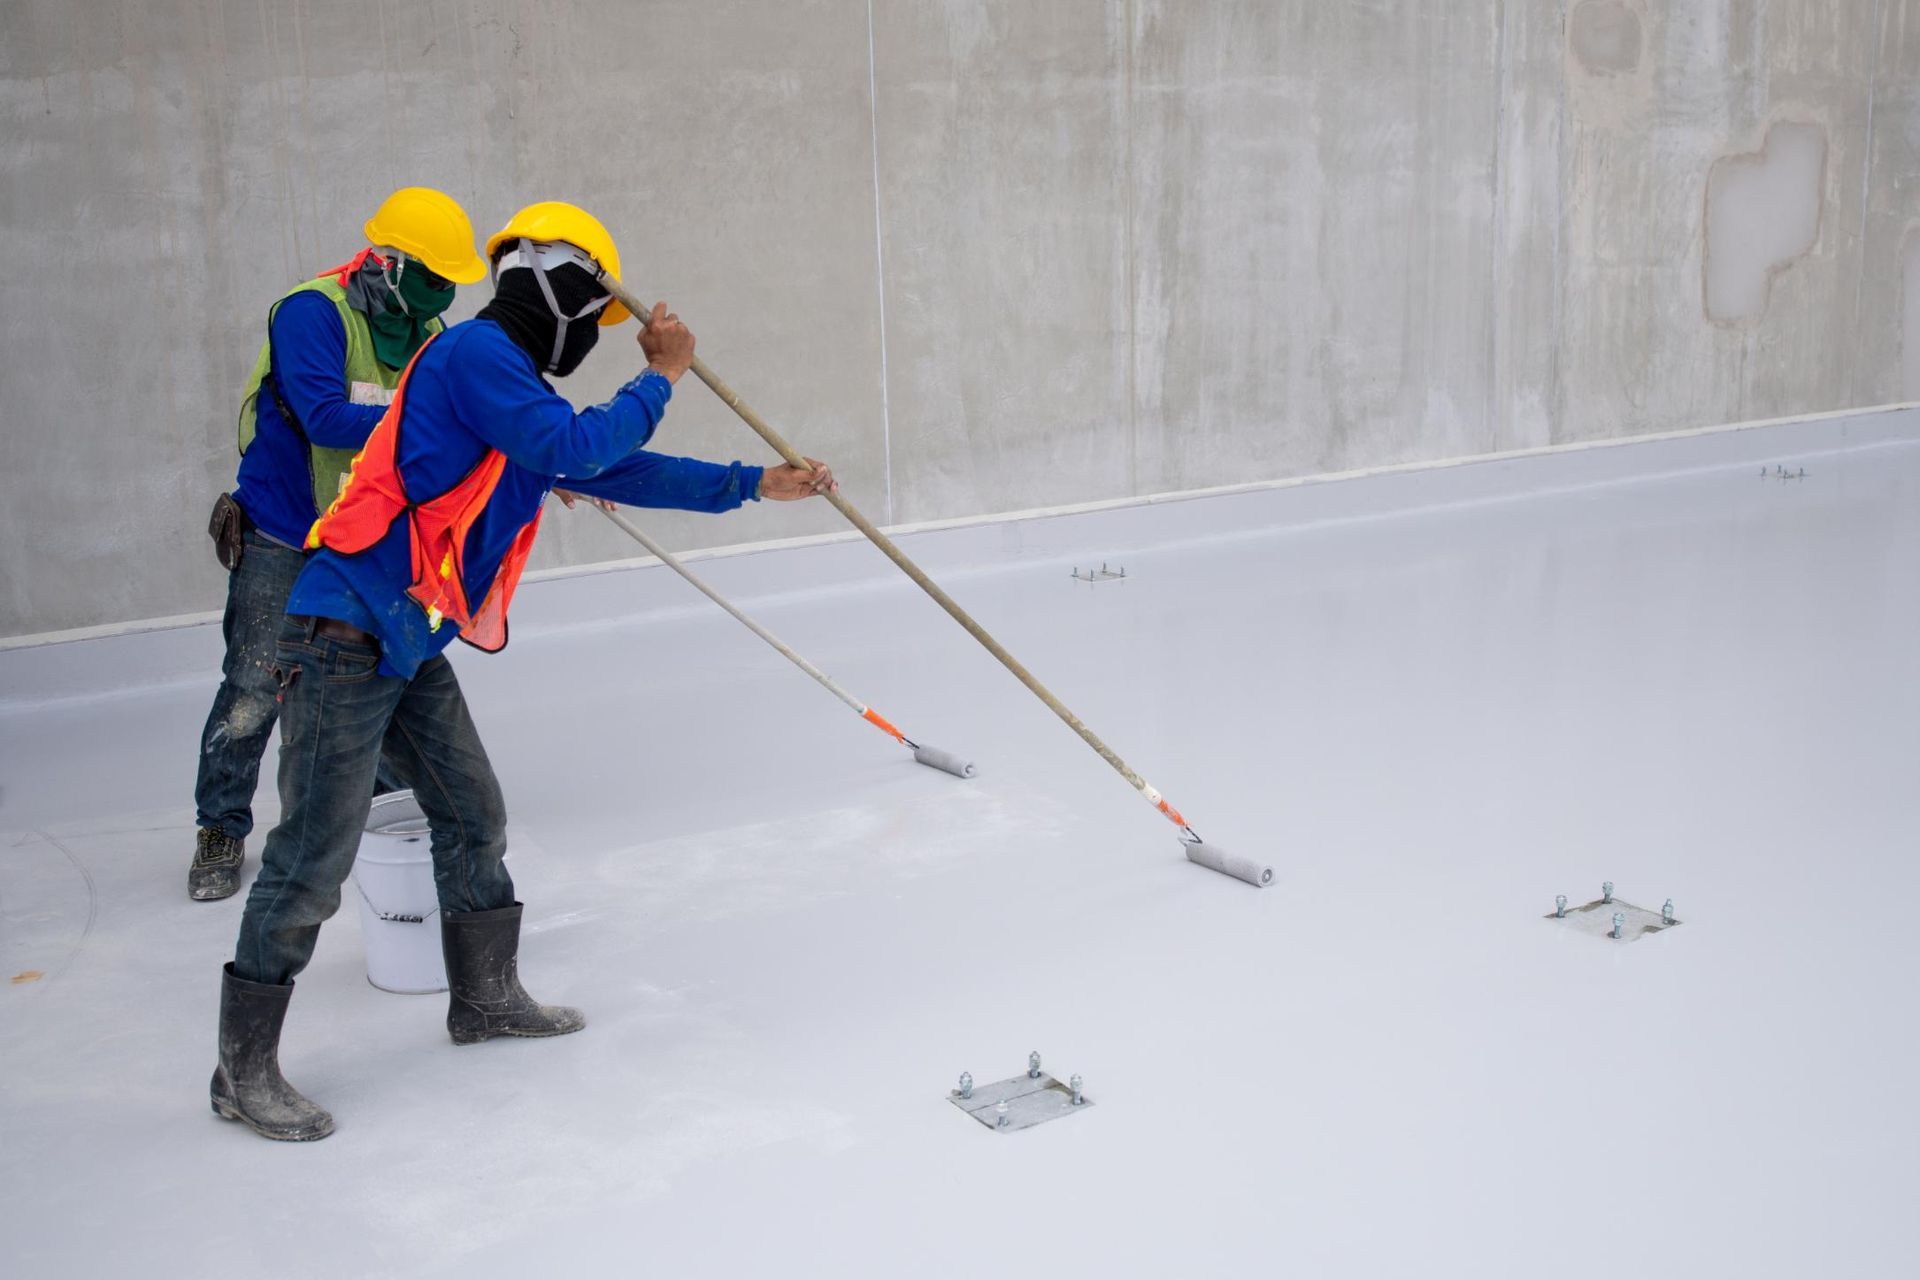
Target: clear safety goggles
x=542 y=257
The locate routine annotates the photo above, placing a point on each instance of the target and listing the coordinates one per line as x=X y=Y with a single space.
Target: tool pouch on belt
x=227 y=527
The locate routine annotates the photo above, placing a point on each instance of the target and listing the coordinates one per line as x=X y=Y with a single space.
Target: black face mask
x=521 y=309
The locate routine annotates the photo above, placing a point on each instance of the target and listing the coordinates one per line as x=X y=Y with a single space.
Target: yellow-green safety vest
x=367 y=382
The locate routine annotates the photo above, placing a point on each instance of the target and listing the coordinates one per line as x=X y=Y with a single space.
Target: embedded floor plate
x=1030 y=1101
x=1596 y=918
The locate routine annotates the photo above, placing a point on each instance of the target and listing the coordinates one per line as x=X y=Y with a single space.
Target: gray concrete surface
x=983 y=255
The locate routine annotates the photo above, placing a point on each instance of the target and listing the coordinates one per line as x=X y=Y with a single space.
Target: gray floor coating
x=790 y=940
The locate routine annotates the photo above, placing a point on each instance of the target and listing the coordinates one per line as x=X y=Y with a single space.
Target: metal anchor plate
x=1596 y=918
x=1029 y=1102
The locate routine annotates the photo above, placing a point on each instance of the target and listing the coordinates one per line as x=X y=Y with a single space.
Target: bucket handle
x=361 y=889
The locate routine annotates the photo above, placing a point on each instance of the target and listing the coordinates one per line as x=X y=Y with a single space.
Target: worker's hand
x=567 y=499
x=667 y=342
x=787 y=482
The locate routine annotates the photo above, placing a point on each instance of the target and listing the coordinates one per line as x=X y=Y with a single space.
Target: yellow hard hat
x=554 y=221
x=431 y=226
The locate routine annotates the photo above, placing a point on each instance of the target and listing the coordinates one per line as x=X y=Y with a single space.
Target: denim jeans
x=337 y=714
x=244 y=709
x=248 y=700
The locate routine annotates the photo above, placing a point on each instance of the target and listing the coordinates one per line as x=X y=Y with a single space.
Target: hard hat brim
x=472 y=271
x=469 y=270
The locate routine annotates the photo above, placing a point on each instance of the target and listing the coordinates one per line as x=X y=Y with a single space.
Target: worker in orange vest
x=426 y=542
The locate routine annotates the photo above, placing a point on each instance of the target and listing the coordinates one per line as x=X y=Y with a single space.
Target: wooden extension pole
x=780 y=446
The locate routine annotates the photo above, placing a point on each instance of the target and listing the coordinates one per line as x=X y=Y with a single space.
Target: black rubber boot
x=247 y=1085
x=215 y=872
x=484 y=995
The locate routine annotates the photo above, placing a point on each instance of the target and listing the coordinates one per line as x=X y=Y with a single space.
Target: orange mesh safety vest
x=436 y=528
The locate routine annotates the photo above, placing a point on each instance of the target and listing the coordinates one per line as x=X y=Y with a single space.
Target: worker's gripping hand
x=787 y=482
x=667 y=342
x=568 y=498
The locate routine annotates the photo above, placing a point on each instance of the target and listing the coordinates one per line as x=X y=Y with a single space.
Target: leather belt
x=334 y=629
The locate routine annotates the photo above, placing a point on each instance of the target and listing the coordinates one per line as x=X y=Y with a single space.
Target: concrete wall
x=984 y=255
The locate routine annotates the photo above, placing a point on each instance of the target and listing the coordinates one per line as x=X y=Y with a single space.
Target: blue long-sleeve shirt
x=472 y=390
x=309 y=359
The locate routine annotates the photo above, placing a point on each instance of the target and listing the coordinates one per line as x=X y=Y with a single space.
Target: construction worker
x=335 y=348
x=426 y=543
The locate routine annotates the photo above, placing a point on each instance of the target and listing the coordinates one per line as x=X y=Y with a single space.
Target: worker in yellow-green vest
x=335 y=349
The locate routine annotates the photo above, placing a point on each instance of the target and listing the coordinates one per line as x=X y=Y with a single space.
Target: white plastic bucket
x=399 y=907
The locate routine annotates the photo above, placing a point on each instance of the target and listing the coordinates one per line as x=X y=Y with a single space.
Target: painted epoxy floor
x=790 y=940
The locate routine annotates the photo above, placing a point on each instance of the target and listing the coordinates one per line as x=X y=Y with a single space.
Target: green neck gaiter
x=398 y=323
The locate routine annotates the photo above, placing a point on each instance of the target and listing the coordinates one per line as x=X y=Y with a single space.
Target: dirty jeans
x=248 y=700
x=244 y=709
x=337 y=715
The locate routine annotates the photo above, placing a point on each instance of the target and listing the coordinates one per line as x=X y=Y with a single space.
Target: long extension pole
x=931 y=756
x=1211 y=856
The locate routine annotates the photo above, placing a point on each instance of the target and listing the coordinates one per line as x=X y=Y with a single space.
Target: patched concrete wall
x=1763 y=215
x=984 y=255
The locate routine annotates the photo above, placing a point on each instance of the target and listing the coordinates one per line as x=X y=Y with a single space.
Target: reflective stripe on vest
x=437 y=529
x=367 y=380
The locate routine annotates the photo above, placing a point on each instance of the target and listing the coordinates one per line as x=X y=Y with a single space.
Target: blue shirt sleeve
x=309 y=367
x=510 y=407
x=643 y=479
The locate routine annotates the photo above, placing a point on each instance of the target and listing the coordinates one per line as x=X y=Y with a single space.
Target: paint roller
x=1197 y=850
x=932 y=757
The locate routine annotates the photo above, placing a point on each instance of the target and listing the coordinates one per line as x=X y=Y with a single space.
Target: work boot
x=215 y=872
x=247 y=1085
x=484 y=995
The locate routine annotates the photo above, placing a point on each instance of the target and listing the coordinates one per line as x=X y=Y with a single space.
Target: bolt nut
x=1666 y=912
x=1074 y=1084
x=1619 y=923
x=1000 y=1114
x=966 y=1084
x=1033 y=1065
x=1606 y=891
x=1559 y=906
